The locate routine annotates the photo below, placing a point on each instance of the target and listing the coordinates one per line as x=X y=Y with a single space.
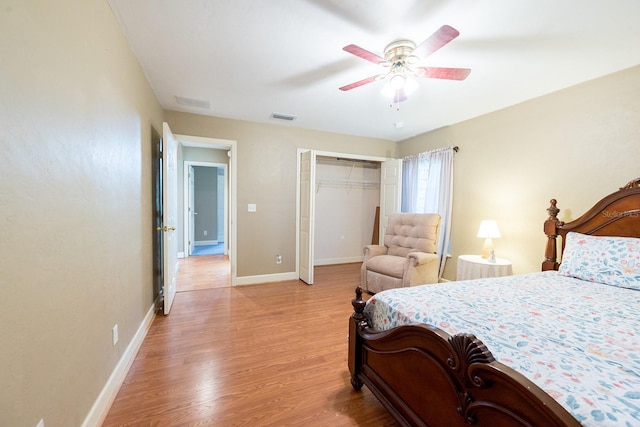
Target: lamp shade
x=488 y=229
x=397 y=81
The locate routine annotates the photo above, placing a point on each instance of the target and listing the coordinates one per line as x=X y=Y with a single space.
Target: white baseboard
x=265 y=278
x=101 y=406
x=180 y=255
x=332 y=261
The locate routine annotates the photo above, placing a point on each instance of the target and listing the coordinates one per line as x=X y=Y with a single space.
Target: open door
x=169 y=214
x=390 y=192
x=307 y=210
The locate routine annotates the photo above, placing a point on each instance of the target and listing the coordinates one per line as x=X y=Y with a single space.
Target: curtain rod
x=437 y=150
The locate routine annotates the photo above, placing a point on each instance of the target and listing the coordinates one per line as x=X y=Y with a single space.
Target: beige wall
x=576 y=146
x=75 y=206
x=267 y=177
x=75 y=209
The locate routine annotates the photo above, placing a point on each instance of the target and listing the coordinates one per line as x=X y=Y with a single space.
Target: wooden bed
x=466 y=385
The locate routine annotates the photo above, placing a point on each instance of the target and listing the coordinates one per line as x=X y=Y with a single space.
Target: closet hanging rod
x=342 y=159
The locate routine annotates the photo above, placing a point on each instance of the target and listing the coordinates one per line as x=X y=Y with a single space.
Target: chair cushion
x=408 y=232
x=388 y=265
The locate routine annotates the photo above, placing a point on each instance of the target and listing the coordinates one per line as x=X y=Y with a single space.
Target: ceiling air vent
x=281 y=116
x=190 y=102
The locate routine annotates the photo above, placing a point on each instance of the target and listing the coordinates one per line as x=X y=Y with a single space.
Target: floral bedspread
x=579 y=341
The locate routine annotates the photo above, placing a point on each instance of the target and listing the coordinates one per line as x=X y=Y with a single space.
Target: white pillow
x=610 y=260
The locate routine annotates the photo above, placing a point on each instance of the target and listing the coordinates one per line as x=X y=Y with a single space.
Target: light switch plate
x=252 y=207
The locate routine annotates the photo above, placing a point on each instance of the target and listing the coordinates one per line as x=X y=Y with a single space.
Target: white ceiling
x=249 y=58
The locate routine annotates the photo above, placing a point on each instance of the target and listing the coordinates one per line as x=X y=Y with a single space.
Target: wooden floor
x=203 y=272
x=260 y=355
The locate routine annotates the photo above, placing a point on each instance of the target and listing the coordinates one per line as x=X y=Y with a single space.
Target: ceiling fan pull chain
x=396 y=100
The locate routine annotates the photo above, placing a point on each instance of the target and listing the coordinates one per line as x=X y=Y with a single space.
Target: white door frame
x=186 y=192
x=232 y=147
x=326 y=154
x=189 y=206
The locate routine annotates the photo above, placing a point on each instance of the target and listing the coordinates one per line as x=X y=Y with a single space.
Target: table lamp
x=488 y=230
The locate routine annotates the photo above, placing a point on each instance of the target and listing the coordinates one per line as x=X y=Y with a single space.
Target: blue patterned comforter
x=576 y=340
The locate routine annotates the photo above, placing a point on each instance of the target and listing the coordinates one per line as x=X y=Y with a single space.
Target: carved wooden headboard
x=618 y=214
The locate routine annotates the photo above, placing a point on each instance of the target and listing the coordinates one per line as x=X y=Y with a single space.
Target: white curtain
x=427 y=187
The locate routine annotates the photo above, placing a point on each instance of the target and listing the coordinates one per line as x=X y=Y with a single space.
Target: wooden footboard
x=426 y=377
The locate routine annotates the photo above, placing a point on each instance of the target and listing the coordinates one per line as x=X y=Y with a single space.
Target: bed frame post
x=551 y=230
x=355 y=347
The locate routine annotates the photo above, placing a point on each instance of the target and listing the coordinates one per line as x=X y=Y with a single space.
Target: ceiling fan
x=402 y=58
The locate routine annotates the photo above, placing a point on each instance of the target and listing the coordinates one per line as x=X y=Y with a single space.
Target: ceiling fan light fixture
x=412 y=59
x=397 y=81
x=387 y=90
x=410 y=86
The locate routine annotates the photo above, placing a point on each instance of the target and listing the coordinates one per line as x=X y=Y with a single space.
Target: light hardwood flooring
x=261 y=355
x=203 y=272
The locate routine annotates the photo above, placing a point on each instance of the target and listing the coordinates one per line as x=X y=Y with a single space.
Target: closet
x=337 y=199
x=347 y=193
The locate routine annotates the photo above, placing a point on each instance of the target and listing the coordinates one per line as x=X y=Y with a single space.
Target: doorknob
x=165 y=228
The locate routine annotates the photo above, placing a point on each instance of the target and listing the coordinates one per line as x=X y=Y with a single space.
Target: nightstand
x=476 y=267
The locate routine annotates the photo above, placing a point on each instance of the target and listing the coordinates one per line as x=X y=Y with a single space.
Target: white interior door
x=169 y=214
x=191 y=210
x=390 y=192
x=307 y=209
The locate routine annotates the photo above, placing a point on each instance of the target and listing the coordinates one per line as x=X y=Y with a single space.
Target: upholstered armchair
x=408 y=256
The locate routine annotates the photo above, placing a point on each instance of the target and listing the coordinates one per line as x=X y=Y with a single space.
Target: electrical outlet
x=278 y=259
x=114 y=334
x=205 y=232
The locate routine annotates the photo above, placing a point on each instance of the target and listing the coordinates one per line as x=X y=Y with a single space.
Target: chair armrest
x=423 y=257
x=374 y=250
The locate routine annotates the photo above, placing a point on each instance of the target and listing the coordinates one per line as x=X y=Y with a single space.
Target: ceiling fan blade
x=442 y=73
x=363 y=53
x=362 y=82
x=438 y=39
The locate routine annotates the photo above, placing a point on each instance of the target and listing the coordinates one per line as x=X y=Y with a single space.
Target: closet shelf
x=346 y=183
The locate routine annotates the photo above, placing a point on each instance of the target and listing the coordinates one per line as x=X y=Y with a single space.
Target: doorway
x=211 y=149
x=308 y=185
x=205 y=225
x=206 y=209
